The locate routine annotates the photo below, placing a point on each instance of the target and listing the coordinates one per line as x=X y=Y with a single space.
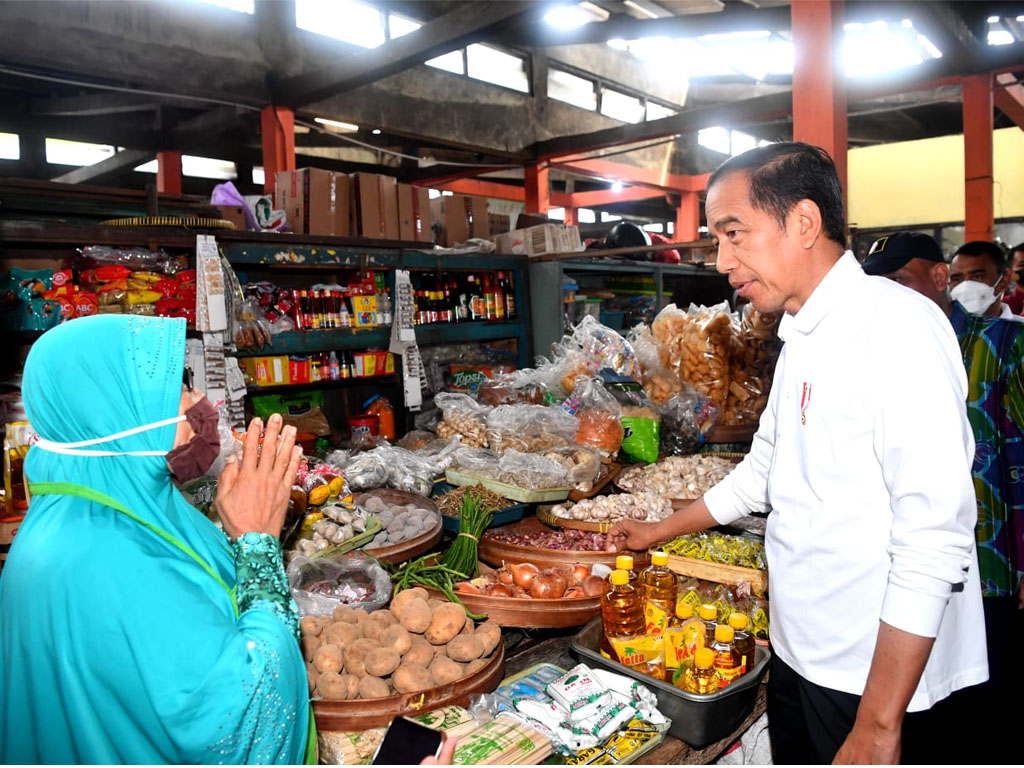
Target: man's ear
x=806 y=217
x=940 y=275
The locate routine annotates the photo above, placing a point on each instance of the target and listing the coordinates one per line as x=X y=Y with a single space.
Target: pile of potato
x=417 y=644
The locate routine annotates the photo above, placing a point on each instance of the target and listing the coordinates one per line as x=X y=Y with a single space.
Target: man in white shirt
x=978 y=279
x=864 y=457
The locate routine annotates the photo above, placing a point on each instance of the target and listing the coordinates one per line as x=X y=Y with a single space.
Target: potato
x=345 y=613
x=384 y=615
x=381 y=662
x=352 y=685
x=433 y=602
x=341 y=634
x=474 y=665
x=355 y=656
x=328 y=658
x=323 y=621
x=465 y=648
x=416 y=616
x=467 y=628
x=409 y=678
x=440 y=650
x=375 y=626
x=360 y=614
x=444 y=671
x=331 y=686
x=401 y=600
x=311 y=676
x=420 y=652
x=489 y=634
x=445 y=623
x=310 y=626
x=309 y=645
x=397 y=638
x=373 y=688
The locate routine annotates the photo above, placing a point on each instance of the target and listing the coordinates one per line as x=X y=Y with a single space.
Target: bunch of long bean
x=426 y=572
x=474 y=517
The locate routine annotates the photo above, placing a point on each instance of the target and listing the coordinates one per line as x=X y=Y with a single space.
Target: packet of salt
x=580 y=692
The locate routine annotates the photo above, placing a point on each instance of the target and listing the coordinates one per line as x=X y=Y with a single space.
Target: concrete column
x=819 y=82
x=278 y=127
x=168 y=173
x=978 y=210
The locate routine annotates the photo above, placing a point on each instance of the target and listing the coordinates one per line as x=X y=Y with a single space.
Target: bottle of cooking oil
x=660 y=586
x=625 y=563
x=727 y=659
x=709 y=615
x=743 y=640
x=684 y=635
x=701 y=677
x=622 y=611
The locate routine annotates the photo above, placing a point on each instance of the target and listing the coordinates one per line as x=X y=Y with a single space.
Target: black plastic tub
x=698 y=720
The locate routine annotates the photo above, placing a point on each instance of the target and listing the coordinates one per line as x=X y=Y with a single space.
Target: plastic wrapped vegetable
x=529 y=428
x=599 y=416
x=320 y=585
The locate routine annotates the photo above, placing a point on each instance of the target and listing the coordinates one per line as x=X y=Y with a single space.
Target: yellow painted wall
x=922 y=182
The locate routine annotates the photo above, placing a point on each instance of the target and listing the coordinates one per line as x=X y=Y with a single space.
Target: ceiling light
x=993 y=19
x=618 y=44
x=907 y=23
x=616 y=187
x=376 y=131
x=567 y=17
x=337 y=124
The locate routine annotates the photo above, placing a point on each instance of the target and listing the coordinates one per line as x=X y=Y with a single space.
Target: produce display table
x=553 y=647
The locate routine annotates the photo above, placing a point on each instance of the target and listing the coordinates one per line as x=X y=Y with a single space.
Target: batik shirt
x=993 y=353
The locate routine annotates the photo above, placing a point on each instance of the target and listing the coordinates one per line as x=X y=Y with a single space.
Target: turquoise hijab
x=116 y=644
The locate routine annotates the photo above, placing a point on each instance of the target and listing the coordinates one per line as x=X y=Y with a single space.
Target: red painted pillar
x=538 y=188
x=278 y=126
x=168 y=173
x=819 y=81
x=571 y=219
x=687 y=217
x=978 y=207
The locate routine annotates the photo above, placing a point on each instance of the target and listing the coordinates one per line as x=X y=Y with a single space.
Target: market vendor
x=864 y=456
x=131 y=629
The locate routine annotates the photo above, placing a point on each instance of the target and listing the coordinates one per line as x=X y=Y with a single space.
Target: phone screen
x=406 y=743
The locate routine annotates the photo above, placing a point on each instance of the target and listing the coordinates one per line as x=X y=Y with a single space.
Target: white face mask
x=976 y=297
x=76 y=449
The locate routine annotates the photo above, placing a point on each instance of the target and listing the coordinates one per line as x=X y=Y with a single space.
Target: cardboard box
x=460 y=218
x=375 y=206
x=299 y=370
x=317 y=202
x=364 y=311
x=541 y=239
x=468 y=378
x=499 y=223
x=267 y=371
x=235 y=214
x=414 y=213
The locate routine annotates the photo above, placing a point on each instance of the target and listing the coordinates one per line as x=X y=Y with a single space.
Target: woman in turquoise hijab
x=132 y=630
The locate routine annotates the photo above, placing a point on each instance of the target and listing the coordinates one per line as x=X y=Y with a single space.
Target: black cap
x=890 y=253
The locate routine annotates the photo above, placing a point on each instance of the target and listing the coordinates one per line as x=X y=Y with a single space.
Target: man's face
x=980 y=269
x=761 y=258
x=1017 y=265
x=928 y=278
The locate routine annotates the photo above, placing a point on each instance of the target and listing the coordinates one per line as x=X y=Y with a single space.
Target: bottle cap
x=724 y=633
x=684 y=610
x=738 y=620
x=659 y=558
x=708 y=612
x=704 y=658
x=625 y=562
x=619 y=577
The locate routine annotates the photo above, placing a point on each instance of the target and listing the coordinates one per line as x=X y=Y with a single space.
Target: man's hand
x=869 y=745
x=632 y=534
x=253 y=497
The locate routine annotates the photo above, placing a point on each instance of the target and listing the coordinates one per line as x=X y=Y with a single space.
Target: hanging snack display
x=696 y=345
x=755 y=351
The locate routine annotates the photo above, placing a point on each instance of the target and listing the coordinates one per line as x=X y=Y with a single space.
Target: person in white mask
x=978 y=278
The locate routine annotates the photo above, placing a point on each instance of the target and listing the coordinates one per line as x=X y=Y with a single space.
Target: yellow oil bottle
x=622 y=611
x=727 y=659
x=625 y=563
x=660 y=586
x=701 y=676
x=684 y=635
x=709 y=615
x=743 y=640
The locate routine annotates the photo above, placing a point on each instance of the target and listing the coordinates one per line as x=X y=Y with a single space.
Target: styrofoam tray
x=526 y=495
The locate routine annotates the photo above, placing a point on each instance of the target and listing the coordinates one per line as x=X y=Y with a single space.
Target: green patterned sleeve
x=260 y=579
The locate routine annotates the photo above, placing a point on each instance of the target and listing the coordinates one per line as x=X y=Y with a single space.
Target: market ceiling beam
x=1008 y=95
x=125 y=160
x=630 y=174
x=468 y=23
x=91 y=105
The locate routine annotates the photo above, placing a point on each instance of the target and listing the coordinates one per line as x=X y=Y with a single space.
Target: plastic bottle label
x=656 y=618
x=725 y=669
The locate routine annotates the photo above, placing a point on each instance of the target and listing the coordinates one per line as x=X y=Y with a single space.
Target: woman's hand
x=253 y=496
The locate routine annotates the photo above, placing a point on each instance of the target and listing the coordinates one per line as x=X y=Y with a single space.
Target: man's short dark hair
x=783 y=174
x=984 y=248
x=1017 y=247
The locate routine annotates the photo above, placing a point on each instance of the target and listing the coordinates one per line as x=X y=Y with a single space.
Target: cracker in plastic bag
x=463 y=417
x=696 y=345
x=755 y=351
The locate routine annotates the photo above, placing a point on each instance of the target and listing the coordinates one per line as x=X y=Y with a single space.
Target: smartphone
x=407 y=742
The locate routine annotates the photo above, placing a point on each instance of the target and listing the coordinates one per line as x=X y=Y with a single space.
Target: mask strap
x=71 y=449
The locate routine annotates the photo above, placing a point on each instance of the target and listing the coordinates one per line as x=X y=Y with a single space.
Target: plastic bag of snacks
x=755 y=351
x=464 y=417
x=319 y=585
x=599 y=416
x=686 y=420
x=529 y=428
x=659 y=382
x=641 y=421
x=530 y=470
x=697 y=346
x=522 y=386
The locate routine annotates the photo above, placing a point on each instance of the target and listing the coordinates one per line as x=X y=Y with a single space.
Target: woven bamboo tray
x=399 y=553
x=719 y=572
x=545 y=516
x=497 y=553
x=608 y=473
x=360 y=714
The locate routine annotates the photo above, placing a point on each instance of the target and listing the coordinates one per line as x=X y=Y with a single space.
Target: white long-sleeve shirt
x=864 y=457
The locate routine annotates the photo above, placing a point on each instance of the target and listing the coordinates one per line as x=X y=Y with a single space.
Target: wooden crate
x=718 y=572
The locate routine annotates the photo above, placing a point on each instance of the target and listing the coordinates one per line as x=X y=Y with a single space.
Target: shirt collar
x=826 y=295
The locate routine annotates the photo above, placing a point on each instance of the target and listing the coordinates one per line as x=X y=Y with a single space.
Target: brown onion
x=580 y=572
x=523 y=574
x=562 y=577
x=573 y=592
x=467 y=587
x=547 y=585
x=505 y=576
x=499 y=590
x=593 y=586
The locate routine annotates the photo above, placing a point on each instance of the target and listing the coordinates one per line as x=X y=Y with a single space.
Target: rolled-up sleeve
x=745 y=489
x=925 y=446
